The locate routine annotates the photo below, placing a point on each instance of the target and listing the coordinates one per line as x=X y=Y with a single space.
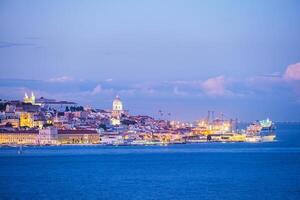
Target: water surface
x=200 y=171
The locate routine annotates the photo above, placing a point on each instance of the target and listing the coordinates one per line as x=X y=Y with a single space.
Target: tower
x=26 y=98
x=30 y=99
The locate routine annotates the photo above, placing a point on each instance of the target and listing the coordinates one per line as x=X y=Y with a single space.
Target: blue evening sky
x=238 y=57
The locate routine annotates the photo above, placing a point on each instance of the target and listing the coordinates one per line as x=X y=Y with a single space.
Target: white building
x=111 y=139
x=52 y=104
x=48 y=136
x=30 y=99
x=117 y=111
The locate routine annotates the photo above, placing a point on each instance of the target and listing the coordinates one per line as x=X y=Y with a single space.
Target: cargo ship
x=261 y=131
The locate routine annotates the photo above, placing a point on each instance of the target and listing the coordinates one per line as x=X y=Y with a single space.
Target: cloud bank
x=292 y=72
x=216 y=86
x=277 y=94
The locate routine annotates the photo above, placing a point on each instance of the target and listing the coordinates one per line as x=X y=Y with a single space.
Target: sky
x=236 y=57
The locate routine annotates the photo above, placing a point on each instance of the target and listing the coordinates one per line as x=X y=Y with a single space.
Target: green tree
x=2 y=106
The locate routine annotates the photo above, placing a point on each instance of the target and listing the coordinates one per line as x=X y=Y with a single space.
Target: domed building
x=117 y=104
x=117 y=111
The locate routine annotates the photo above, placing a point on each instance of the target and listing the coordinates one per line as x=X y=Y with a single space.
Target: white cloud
x=109 y=80
x=292 y=73
x=178 y=92
x=192 y=83
x=216 y=86
x=61 y=79
x=98 y=89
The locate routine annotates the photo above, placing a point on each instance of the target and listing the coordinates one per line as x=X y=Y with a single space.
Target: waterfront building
x=47 y=135
x=112 y=138
x=18 y=137
x=50 y=136
x=78 y=137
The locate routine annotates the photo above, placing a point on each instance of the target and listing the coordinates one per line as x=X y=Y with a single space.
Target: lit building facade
x=18 y=137
x=47 y=136
x=78 y=137
x=112 y=139
x=50 y=136
x=26 y=119
x=117 y=111
x=30 y=99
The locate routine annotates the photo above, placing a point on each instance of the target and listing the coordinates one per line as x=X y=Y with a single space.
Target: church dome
x=117 y=104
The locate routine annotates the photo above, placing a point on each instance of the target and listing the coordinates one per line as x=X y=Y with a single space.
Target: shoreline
x=115 y=145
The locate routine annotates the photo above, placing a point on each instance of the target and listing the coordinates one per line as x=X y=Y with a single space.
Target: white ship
x=268 y=138
x=261 y=131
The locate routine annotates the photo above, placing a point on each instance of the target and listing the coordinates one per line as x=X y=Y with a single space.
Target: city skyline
x=143 y=100
x=238 y=58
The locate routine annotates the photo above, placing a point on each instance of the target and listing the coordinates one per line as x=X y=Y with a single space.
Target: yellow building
x=28 y=99
x=18 y=137
x=78 y=137
x=26 y=120
x=49 y=136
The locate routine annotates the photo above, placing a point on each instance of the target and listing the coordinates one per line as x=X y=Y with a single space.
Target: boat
x=267 y=125
x=268 y=138
x=254 y=128
x=261 y=131
x=20 y=151
x=253 y=138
